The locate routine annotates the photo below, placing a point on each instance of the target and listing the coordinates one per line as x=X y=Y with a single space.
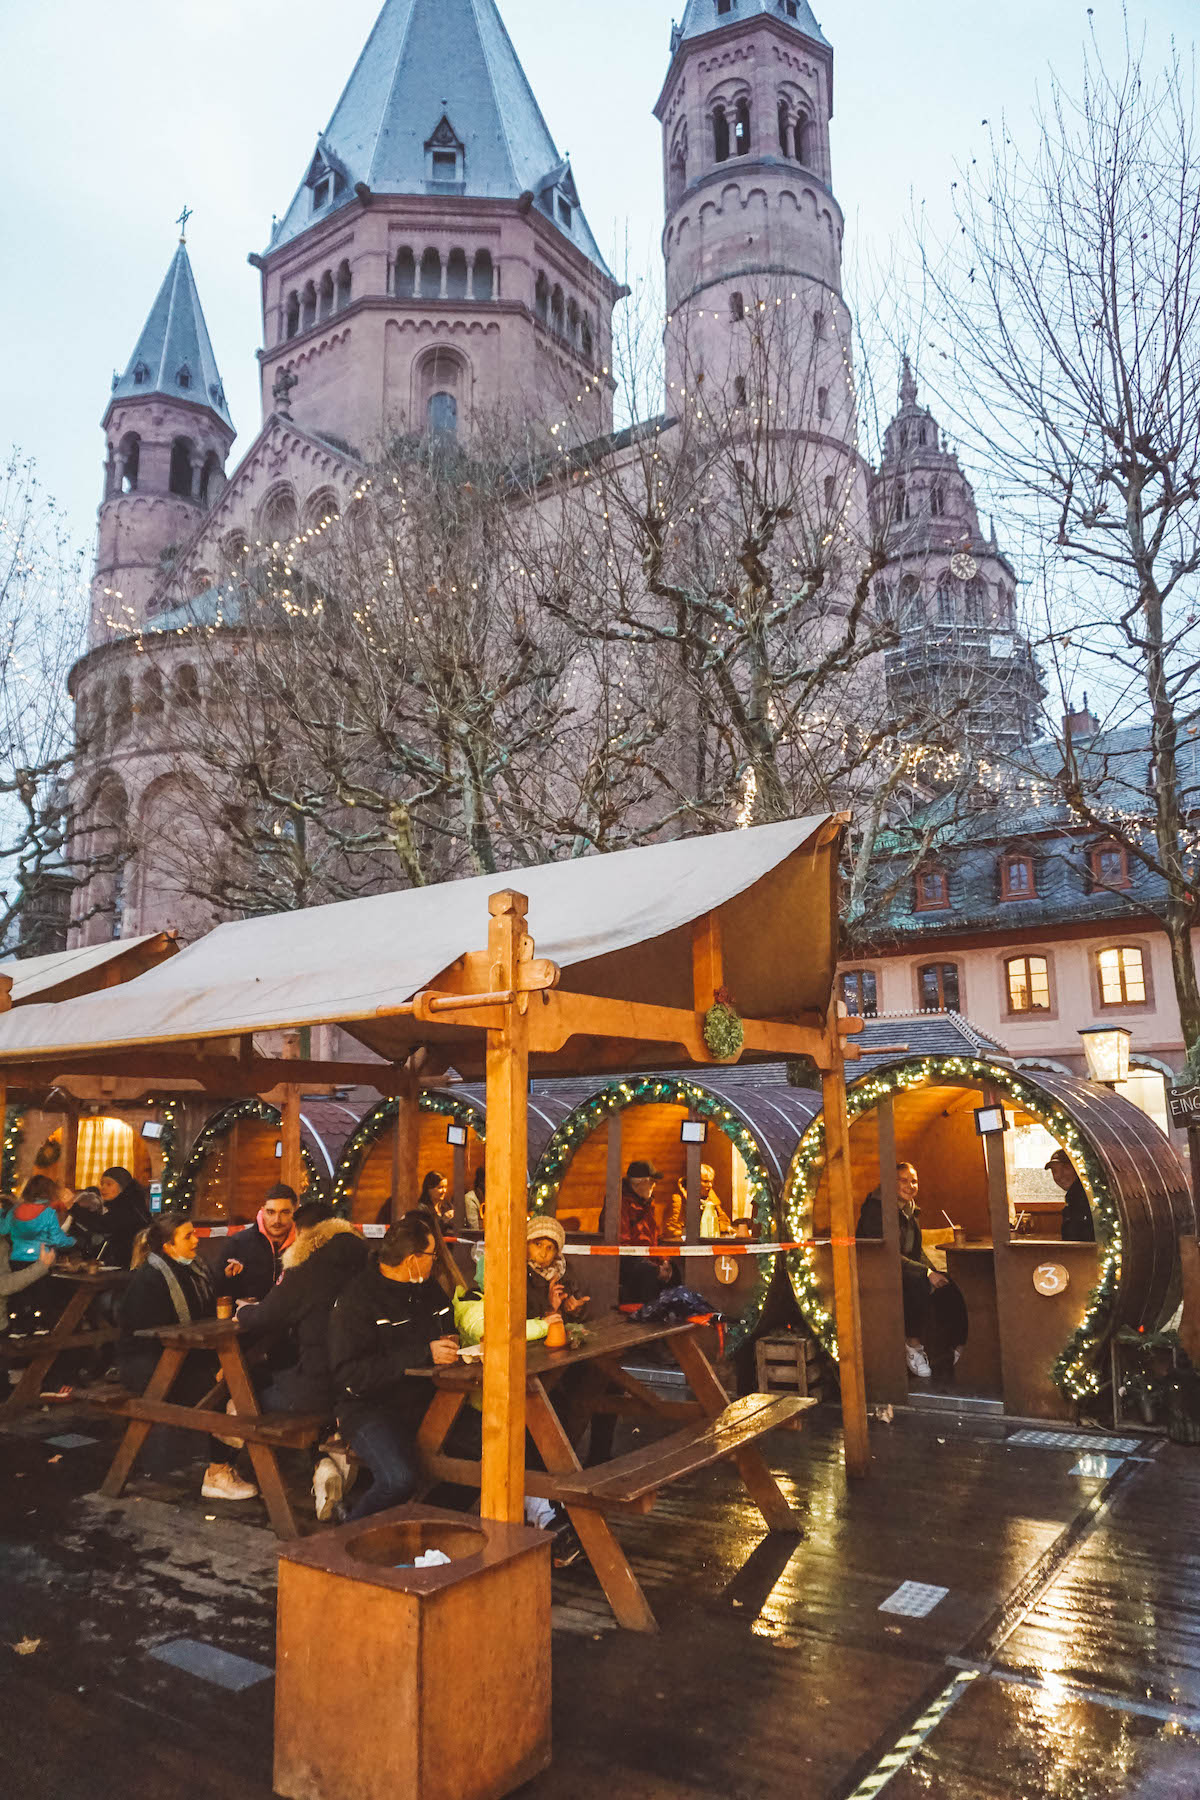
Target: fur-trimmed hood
x=309 y=1242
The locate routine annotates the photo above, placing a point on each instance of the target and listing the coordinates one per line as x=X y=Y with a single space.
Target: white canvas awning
x=64 y=973
x=617 y=925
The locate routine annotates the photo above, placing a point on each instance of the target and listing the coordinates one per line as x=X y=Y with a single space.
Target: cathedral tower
x=436 y=262
x=168 y=433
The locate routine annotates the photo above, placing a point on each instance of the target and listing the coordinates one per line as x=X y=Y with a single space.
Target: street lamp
x=1107 y=1050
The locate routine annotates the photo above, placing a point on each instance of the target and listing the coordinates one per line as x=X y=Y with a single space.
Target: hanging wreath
x=723 y=1032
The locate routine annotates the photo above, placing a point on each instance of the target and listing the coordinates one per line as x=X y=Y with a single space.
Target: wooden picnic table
x=710 y=1428
x=72 y=1330
x=264 y=1434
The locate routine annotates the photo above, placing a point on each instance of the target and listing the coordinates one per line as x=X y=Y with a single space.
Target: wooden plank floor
x=774 y=1672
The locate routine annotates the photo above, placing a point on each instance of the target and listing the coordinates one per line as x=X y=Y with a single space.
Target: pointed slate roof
x=429 y=63
x=702 y=16
x=174 y=355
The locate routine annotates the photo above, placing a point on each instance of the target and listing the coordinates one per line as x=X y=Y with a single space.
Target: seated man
x=389 y=1319
x=935 y=1313
x=642 y=1279
x=1078 y=1225
x=253 y=1259
x=294 y=1318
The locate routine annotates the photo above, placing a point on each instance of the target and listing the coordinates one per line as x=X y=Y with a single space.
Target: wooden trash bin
x=432 y=1683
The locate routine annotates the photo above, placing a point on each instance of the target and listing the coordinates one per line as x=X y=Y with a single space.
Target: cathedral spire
x=174 y=355
x=438 y=103
x=702 y=16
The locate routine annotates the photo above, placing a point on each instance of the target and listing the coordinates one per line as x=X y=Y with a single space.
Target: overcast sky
x=117 y=112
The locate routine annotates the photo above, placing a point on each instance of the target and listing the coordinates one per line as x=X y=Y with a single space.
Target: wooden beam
x=556 y=1017
x=406 y=1146
x=502 y=1495
x=843 y=1222
x=708 y=961
x=230 y=1077
x=70 y=1140
x=291 y=1171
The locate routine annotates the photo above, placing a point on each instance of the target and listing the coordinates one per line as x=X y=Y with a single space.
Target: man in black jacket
x=1078 y=1225
x=390 y=1318
x=253 y=1259
x=327 y=1254
x=935 y=1313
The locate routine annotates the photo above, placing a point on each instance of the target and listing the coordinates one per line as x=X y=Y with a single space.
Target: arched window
x=279 y=520
x=944 y=601
x=976 y=600
x=900 y=503
x=120 y=708
x=822 y=403
x=677 y=173
x=818 y=323
x=128 y=457
x=344 y=285
x=737 y=307
x=784 y=128
x=443 y=414
x=557 y=311
x=187 y=687
x=937 y=494
x=406 y=274
x=741 y=130
x=293 y=314
x=483 y=276
x=940 y=987
x=431 y=275
x=181 y=468
x=573 y=320
x=587 y=342
x=884 y=601
x=541 y=298
x=802 y=140
x=309 y=312
x=233 y=549
x=326 y=306
x=321 y=509
x=912 y=608
x=739 y=390
x=1018 y=880
x=1027 y=980
x=720 y=135
x=150 y=700
x=210 y=477
x=456 y=275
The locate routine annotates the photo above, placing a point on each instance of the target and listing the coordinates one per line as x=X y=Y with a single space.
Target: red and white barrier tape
x=736 y=1247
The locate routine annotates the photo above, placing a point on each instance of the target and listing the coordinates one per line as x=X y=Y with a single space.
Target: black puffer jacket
x=298 y=1308
x=262 y=1264
x=379 y=1331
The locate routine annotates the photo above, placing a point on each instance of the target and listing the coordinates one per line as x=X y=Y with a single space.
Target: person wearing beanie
x=549 y=1288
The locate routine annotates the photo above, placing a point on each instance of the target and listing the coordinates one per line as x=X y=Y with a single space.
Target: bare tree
x=1065 y=335
x=42 y=615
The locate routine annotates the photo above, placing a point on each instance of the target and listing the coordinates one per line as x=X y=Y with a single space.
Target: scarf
x=202 y=1287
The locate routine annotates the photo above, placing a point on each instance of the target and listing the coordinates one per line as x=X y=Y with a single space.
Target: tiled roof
x=429 y=61
x=702 y=16
x=174 y=355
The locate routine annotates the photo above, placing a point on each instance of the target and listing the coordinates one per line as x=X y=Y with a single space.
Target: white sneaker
x=345 y=1463
x=918 y=1362
x=328 y=1487
x=220 y=1483
x=957 y=1354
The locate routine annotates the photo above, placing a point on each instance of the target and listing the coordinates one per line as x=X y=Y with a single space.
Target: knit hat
x=542 y=1226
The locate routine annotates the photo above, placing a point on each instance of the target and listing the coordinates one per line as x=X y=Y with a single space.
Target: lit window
x=1147 y=1089
x=940 y=987
x=1016 y=878
x=860 y=992
x=1028 y=984
x=933 y=890
x=1122 y=977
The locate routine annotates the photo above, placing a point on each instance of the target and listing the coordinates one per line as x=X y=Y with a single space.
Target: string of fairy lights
x=658 y=1091
x=183 y=1185
x=1076 y=1370
x=372 y=1126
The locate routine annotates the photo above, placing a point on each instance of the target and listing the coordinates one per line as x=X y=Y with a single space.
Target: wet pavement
x=1061 y=1661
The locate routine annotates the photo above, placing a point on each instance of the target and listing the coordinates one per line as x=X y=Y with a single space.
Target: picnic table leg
x=759 y=1482
x=28 y=1389
x=435 y=1428
x=262 y=1456
x=138 y=1430
x=621 y=1587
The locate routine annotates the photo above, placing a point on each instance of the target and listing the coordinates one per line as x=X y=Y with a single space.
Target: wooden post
x=406 y=1148
x=502 y=1494
x=708 y=961
x=70 y=1140
x=855 y=1436
x=691 y=1229
x=614 y=1171
x=291 y=1168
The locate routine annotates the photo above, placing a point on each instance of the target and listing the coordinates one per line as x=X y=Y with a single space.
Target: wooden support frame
x=843 y=1224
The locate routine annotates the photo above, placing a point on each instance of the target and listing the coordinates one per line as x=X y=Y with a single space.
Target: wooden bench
x=72 y=1330
x=630 y=1483
x=283 y=1431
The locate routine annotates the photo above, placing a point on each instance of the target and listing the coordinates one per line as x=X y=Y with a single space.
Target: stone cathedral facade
x=434 y=264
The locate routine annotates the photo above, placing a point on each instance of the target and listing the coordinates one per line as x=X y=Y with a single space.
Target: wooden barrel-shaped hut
x=740 y=1124
x=1042 y=1312
x=236 y=1156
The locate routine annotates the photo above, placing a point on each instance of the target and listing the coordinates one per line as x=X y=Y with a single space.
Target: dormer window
x=322 y=193
x=566 y=213
x=446 y=156
x=791 y=9
x=723 y=7
x=141 y=375
x=445 y=165
x=183 y=378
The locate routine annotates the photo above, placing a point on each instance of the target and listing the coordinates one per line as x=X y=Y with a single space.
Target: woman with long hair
x=126 y=1213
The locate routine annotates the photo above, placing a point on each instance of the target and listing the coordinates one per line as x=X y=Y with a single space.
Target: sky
x=117 y=115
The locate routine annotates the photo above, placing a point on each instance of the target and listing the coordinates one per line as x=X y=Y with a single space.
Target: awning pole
x=503 y=1483
x=845 y=1267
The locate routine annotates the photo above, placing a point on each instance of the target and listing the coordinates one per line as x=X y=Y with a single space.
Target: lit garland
x=657 y=1091
x=14 y=1131
x=1075 y=1372
x=183 y=1187
x=169 y=1147
x=372 y=1126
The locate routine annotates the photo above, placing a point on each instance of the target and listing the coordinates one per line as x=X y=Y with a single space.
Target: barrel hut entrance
x=379 y=1176
x=238 y=1156
x=722 y=1142
x=1041 y=1310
